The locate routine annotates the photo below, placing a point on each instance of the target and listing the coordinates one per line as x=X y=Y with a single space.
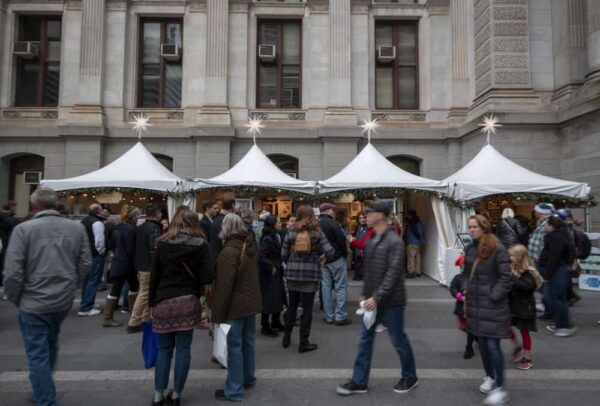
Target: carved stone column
x=88 y=108
x=459 y=12
x=593 y=39
x=3 y=34
x=214 y=111
x=340 y=64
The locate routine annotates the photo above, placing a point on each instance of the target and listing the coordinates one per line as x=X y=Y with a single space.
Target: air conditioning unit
x=32 y=178
x=386 y=53
x=170 y=52
x=266 y=52
x=26 y=49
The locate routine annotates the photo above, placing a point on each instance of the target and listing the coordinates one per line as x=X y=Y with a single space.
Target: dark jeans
x=40 y=335
x=181 y=342
x=306 y=300
x=240 y=356
x=555 y=296
x=119 y=282
x=393 y=319
x=90 y=285
x=493 y=360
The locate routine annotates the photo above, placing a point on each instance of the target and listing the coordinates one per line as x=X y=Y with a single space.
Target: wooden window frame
x=43 y=51
x=162 y=64
x=278 y=62
x=395 y=75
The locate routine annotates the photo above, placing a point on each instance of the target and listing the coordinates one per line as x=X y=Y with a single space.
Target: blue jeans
x=555 y=296
x=334 y=276
x=92 y=280
x=181 y=342
x=493 y=360
x=393 y=318
x=40 y=334
x=240 y=356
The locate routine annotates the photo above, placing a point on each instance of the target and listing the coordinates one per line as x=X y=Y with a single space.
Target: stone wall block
x=510 y=29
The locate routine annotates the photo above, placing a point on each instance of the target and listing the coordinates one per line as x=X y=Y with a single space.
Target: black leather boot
x=305 y=344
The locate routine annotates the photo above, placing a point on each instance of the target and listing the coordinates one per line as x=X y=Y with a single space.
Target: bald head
x=95 y=209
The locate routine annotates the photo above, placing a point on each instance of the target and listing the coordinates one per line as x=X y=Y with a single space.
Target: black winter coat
x=511 y=232
x=522 y=300
x=271 y=286
x=559 y=250
x=169 y=277
x=488 y=309
x=384 y=269
x=145 y=244
x=216 y=244
x=459 y=284
x=123 y=262
x=333 y=232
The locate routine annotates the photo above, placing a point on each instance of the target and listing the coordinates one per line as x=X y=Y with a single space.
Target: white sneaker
x=93 y=312
x=380 y=328
x=540 y=307
x=551 y=328
x=497 y=397
x=488 y=385
x=565 y=332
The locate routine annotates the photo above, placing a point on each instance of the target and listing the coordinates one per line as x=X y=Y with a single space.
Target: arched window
x=26 y=171
x=286 y=163
x=165 y=160
x=408 y=163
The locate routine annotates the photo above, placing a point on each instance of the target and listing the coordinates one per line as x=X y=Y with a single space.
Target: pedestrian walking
x=542 y=212
x=8 y=222
x=526 y=280
x=228 y=206
x=181 y=267
x=145 y=246
x=122 y=268
x=211 y=211
x=415 y=239
x=237 y=301
x=46 y=259
x=361 y=230
x=509 y=230
x=271 y=277
x=94 y=226
x=458 y=290
x=304 y=250
x=488 y=309
x=556 y=258
x=385 y=292
x=335 y=271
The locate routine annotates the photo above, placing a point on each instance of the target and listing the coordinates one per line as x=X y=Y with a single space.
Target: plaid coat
x=536 y=241
x=305 y=267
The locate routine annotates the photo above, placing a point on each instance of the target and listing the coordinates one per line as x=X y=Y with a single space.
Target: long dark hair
x=269 y=225
x=185 y=222
x=488 y=242
x=306 y=219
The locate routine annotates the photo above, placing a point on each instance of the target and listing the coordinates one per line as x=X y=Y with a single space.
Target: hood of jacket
x=182 y=248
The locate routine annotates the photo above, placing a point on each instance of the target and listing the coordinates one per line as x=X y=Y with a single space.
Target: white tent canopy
x=490 y=173
x=256 y=169
x=370 y=169
x=136 y=169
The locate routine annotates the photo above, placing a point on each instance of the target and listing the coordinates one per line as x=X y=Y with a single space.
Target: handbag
x=149 y=346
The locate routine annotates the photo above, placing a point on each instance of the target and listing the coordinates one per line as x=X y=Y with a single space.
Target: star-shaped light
x=254 y=127
x=490 y=126
x=370 y=126
x=141 y=124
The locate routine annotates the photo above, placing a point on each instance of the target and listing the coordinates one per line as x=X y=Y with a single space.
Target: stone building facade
x=534 y=63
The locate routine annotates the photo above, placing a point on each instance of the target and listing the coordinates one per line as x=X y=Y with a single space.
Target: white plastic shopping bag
x=369 y=316
x=220 y=343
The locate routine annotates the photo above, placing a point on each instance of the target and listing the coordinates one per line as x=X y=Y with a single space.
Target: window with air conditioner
x=37 y=53
x=160 y=63
x=279 y=77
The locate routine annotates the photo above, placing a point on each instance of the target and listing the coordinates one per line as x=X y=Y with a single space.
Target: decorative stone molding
x=360 y=6
x=318 y=6
x=238 y=6
x=156 y=115
x=398 y=117
x=73 y=5
x=117 y=5
x=438 y=7
x=30 y=114
x=197 y=6
x=278 y=115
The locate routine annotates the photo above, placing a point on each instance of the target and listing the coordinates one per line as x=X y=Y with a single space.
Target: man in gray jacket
x=47 y=257
x=385 y=293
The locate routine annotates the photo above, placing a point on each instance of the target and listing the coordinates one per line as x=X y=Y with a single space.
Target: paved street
x=100 y=366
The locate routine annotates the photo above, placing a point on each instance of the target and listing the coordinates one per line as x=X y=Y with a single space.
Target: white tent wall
x=174 y=202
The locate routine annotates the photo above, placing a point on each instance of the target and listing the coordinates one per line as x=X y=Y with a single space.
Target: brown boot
x=109 y=310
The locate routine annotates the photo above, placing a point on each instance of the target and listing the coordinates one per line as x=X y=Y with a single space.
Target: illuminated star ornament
x=490 y=125
x=369 y=127
x=254 y=127
x=140 y=125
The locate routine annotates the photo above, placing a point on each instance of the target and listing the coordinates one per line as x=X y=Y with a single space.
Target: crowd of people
x=228 y=267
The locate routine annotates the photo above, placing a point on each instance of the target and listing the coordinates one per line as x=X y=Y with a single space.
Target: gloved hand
x=460 y=297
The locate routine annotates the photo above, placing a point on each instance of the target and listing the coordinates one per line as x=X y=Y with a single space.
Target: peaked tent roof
x=490 y=172
x=137 y=169
x=256 y=169
x=370 y=169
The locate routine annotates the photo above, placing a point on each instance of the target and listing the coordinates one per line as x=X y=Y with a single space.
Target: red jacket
x=361 y=244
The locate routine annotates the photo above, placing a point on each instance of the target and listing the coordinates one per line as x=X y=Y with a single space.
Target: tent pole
x=588 y=219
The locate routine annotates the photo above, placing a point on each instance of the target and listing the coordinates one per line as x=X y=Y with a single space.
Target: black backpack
x=583 y=244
